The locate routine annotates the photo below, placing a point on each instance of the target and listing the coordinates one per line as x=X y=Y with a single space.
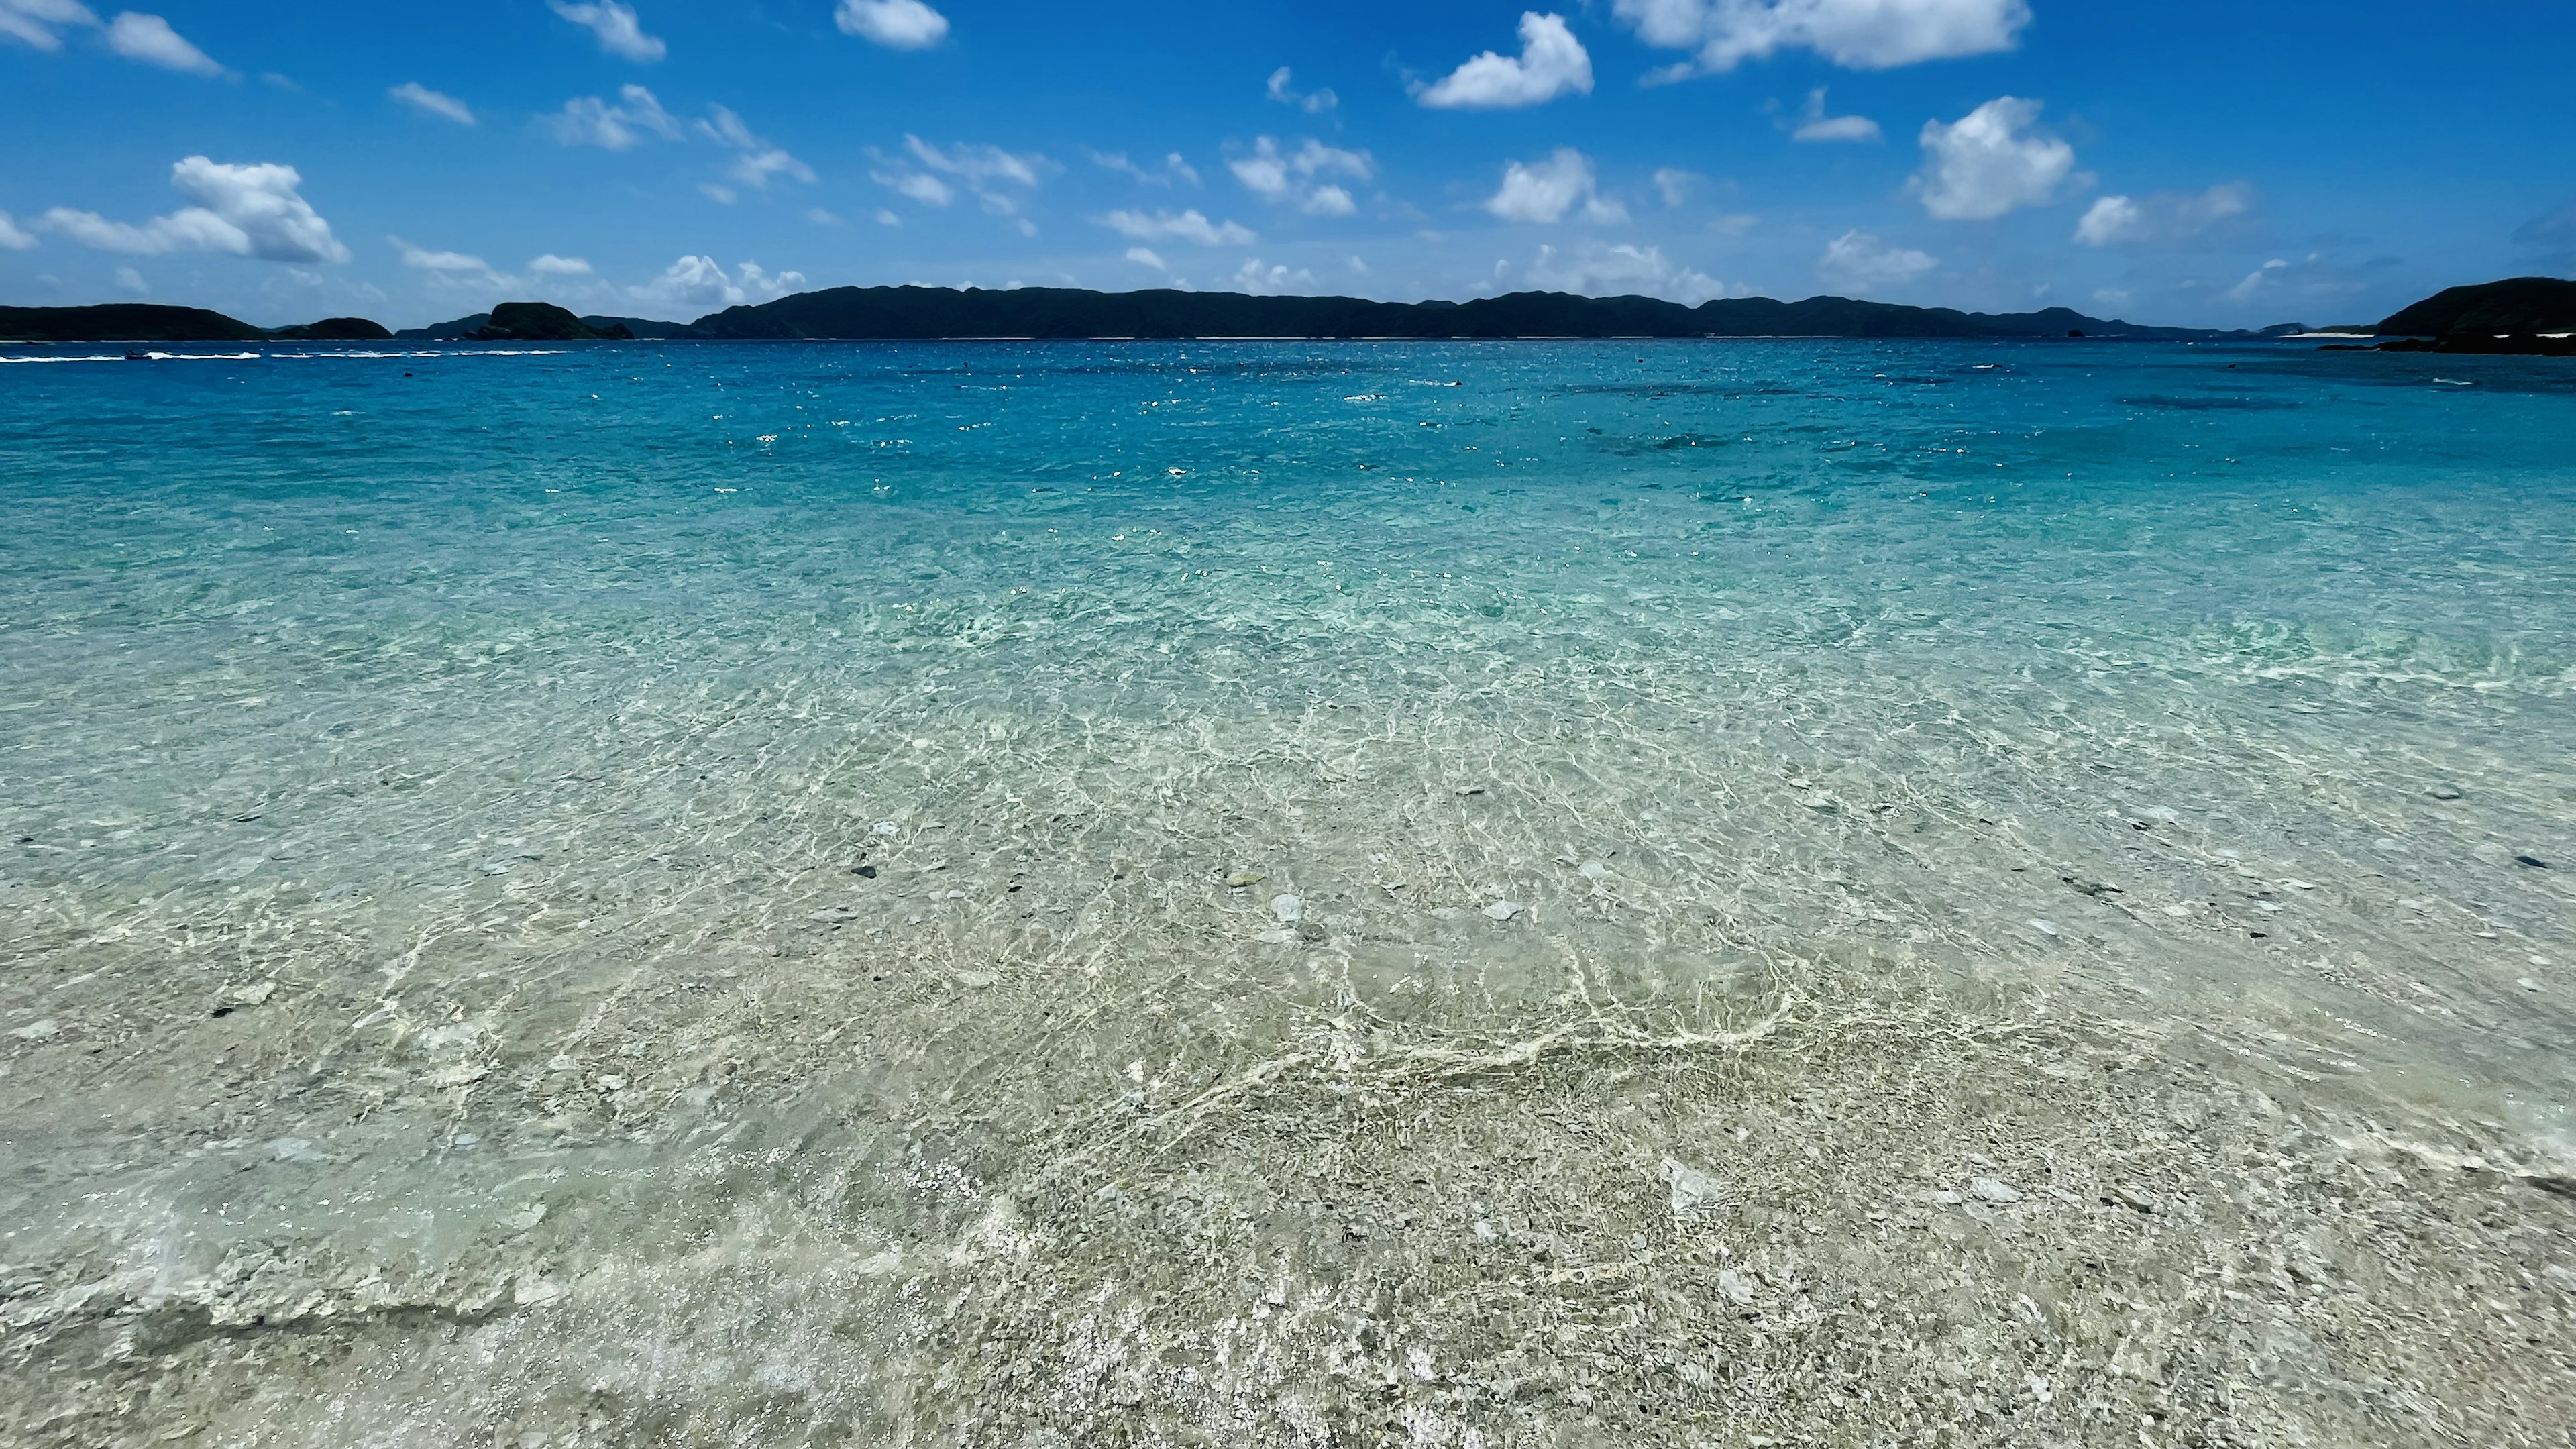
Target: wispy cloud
x=1191 y=226
x=590 y=121
x=150 y=40
x=2163 y=218
x=615 y=25
x=757 y=160
x=433 y=103
x=39 y=24
x=1173 y=169
x=1815 y=125
x=1282 y=88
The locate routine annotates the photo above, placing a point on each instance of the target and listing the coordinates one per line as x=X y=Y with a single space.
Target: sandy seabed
x=1788 y=969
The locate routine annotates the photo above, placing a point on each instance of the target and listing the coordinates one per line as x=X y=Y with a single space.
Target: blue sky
x=2180 y=161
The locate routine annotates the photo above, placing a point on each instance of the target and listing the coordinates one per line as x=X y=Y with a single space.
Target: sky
x=2182 y=162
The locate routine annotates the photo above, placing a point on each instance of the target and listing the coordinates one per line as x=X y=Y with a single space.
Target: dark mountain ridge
x=927 y=313
x=2516 y=315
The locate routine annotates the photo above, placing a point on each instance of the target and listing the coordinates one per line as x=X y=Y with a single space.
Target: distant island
x=2526 y=314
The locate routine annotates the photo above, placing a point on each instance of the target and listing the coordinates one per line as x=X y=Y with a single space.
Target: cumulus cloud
x=895 y=24
x=1815 y=125
x=1544 y=191
x=551 y=265
x=1861 y=262
x=2163 y=218
x=432 y=103
x=1990 y=162
x=1858 y=34
x=12 y=239
x=1551 y=63
x=37 y=23
x=758 y=159
x=590 y=121
x=249 y=211
x=1677 y=185
x=614 y=23
x=1147 y=257
x=700 y=283
x=1594 y=269
x=150 y=40
x=1297 y=178
x=1262 y=280
x=1313 y=103
x=1191 y=225
x=1173 y=169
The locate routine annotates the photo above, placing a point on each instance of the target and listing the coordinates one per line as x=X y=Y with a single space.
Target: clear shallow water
x=1341 y=820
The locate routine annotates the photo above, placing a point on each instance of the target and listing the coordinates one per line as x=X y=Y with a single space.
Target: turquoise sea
x=1555 y=893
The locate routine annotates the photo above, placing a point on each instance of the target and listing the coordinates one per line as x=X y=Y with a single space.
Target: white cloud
x=888 y=218
x=150 y=40
x=590 y=121
x=920 y=186
x=132 y=281
x=759 y=160
x=1594 y=269
x=551 y=265
x=1551 y=63
x=1294 y=179
x=1544 y=191
x=2244 y=291
x=896 y=24
x=977 y=163
x=1990 y=162
x=1815 y=125
x=12 y=239
x=619 y=32
x=1312 y=102
x=424 y=260
x=1255 y=278
x=1191 y=226
x=2166 y=217
x=34 y=22
x=432 y=103
x=2111 y=219
x=1862 y=262
x=1677 y=185
x=1174 y=169
x=699 y=282
x=1146 y=257
x=250 y=211
x=1859 y=34
x=1328 y=201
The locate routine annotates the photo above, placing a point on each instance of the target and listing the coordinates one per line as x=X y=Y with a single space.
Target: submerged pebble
x=1503 y=910
x=1289 y=909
